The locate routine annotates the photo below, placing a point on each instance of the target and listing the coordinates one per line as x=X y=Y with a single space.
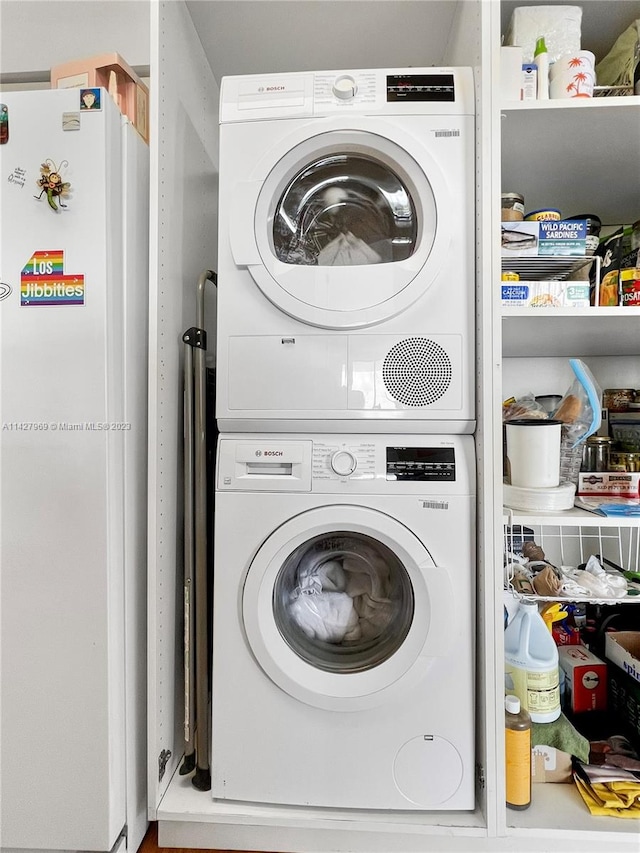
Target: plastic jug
x=531 y=664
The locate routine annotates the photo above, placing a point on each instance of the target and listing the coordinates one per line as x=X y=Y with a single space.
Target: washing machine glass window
x=343 y=602
x=345 y=210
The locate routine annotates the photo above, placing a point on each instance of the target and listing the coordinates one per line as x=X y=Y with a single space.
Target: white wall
x=36 y=34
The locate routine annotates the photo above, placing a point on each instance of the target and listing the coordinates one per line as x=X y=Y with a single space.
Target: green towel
x=562 y=735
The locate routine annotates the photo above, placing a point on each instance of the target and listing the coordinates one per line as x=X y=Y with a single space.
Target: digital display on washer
x=420 y=87
x=432 y=464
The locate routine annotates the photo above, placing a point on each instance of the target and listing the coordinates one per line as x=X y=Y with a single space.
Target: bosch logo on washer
x=269 y=453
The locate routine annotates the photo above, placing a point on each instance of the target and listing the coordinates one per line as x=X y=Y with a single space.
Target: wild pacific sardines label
x=545 y=238
x=564 y=237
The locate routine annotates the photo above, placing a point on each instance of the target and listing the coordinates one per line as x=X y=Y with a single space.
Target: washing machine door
x=344 y=228
x=344 y=608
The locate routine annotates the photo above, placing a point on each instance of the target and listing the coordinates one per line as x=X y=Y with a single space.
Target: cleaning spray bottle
x=541 y=59
x=517 y=749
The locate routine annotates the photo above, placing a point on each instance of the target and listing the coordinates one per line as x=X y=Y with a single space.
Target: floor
x=150 y=844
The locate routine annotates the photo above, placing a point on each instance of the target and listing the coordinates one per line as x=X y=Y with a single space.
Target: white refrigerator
x=73 y=459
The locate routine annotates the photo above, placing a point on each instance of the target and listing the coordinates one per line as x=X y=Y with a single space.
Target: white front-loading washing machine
x=346 y=272
x=343 y=618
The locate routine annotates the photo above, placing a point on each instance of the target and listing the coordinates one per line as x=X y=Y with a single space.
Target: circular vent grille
x=416 y=372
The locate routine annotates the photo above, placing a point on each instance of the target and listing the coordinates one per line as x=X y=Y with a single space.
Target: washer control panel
x=427 y=464
x=347 y=464
x=344 y=459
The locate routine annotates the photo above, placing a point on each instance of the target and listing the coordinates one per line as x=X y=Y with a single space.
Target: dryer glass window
x=343 y=602
x=345 y=210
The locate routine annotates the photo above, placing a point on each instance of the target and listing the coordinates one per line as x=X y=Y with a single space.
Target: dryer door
x=346 y=228
x=343 y=607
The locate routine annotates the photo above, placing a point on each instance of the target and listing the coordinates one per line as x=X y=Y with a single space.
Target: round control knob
x=343 y=463
x=345 y=87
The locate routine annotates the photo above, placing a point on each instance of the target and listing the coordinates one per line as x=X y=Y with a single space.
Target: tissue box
x=545 y=294
x=561 y=27
x=112 y=73
x=585 y=678
x=612 y=484
x=561 y=238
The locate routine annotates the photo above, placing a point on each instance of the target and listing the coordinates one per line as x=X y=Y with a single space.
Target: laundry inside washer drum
x=345 y=210
x=343 y=602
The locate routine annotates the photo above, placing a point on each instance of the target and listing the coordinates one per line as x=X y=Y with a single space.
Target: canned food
x=508 y=275
x=512 y=207
x=630 y=287
x=617 y=399
x=544 y=215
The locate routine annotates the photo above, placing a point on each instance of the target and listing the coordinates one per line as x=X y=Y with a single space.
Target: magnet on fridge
x=51 y=183
x=71 y=121
x=4 y=124
x=90 y=99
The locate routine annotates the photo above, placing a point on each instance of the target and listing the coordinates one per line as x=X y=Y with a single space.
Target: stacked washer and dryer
x=344 y=557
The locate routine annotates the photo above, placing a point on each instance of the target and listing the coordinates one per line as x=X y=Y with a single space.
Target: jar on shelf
x=618 y=399
x=594 y=225
x=595 y=454
x=624 y=460
x=512 y=207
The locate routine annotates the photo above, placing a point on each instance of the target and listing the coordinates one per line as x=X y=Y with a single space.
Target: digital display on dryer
x=428 y=464
x=420 y=87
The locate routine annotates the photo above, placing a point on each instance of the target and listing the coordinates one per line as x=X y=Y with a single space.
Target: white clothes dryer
x=343 y=621
x=346 y=273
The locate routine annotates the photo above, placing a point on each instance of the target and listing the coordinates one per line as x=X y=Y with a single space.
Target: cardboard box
x=108 y=71
x=511 y=73
x=544 y=239
x=614 y=484
x=566 y=635
x=529 y=87
x=545 y=294
x=549 y=764
x=585 y=679
x=623 y=649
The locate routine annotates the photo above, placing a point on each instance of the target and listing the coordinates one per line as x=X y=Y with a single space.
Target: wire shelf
x=571 y=545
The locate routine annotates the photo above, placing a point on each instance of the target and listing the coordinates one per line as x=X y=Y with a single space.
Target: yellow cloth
x=615 y=799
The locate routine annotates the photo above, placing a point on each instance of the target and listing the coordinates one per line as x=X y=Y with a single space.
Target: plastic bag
x=618 y=66
x=580 y=409
x=522 y=407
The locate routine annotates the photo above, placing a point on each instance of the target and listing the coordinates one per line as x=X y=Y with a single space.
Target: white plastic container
x=531 y=664
x=533 y=452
